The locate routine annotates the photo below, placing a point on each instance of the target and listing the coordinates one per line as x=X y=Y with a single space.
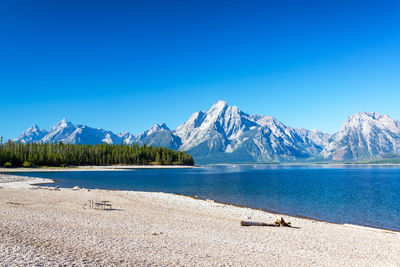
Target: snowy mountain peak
x=364 y=135
x=220 y=104
x=63 y=121
x=122 y=134
x=159 y=135
x=62 y=124
x=217 y=109
x=153 y=130
x=363 y=116
x=66 y=132
x=34 y=128
x=368 y=121
x=32 y=134
x=126 y=137
x=219 y=122
x=158 y=127
x=241 y=137
x=223 y=113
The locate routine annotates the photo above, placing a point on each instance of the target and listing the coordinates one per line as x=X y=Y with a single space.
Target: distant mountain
x=364 y=136
x=317 y=137
x=225 y=134
x=126 y=138
x=159 y=135
x=66 y=132
x=33 y=134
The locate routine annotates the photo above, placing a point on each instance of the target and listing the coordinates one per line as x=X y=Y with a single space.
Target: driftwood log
x=247 y=223
x=279 y=222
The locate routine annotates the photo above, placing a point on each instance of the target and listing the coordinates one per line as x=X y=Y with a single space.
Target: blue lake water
x=363 y=195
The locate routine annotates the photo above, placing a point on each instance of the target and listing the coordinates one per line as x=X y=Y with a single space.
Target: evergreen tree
x=157 y=159
x=33 y=154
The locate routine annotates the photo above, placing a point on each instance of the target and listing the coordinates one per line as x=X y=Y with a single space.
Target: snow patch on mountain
x=364 y=135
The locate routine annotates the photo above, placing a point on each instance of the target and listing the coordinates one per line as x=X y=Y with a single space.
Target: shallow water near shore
x=363 y=195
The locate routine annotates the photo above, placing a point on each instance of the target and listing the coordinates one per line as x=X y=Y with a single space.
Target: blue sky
x=125 y=65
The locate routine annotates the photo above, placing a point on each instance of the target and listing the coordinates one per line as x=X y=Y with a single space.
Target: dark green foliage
x=26 y=164
x=8 y=165
x=60 y=155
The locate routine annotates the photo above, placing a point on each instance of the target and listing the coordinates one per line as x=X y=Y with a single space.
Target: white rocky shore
x=15 y=181
x=43 y=226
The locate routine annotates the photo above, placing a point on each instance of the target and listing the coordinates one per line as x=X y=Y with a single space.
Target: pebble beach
x=45 y=226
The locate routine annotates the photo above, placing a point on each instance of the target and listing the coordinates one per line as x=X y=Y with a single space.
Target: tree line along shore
x=61 y=155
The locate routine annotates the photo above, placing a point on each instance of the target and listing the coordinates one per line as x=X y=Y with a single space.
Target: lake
x=364 y=195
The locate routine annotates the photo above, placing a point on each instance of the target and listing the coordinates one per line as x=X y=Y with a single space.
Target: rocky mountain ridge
x=225 y=134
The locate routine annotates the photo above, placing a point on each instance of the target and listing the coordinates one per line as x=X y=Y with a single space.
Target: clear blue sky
x=125 y=65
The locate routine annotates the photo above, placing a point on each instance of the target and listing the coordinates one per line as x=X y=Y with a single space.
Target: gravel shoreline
x=94 y=168
x=48 y=226
x=15 y=181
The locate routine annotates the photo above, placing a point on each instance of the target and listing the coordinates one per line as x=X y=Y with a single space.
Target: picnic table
x=98 y=205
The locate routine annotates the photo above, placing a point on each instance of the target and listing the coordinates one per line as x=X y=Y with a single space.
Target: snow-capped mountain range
x=225 y=134
x=363 y=136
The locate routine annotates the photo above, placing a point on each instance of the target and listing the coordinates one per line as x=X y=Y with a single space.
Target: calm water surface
x=364 y=195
